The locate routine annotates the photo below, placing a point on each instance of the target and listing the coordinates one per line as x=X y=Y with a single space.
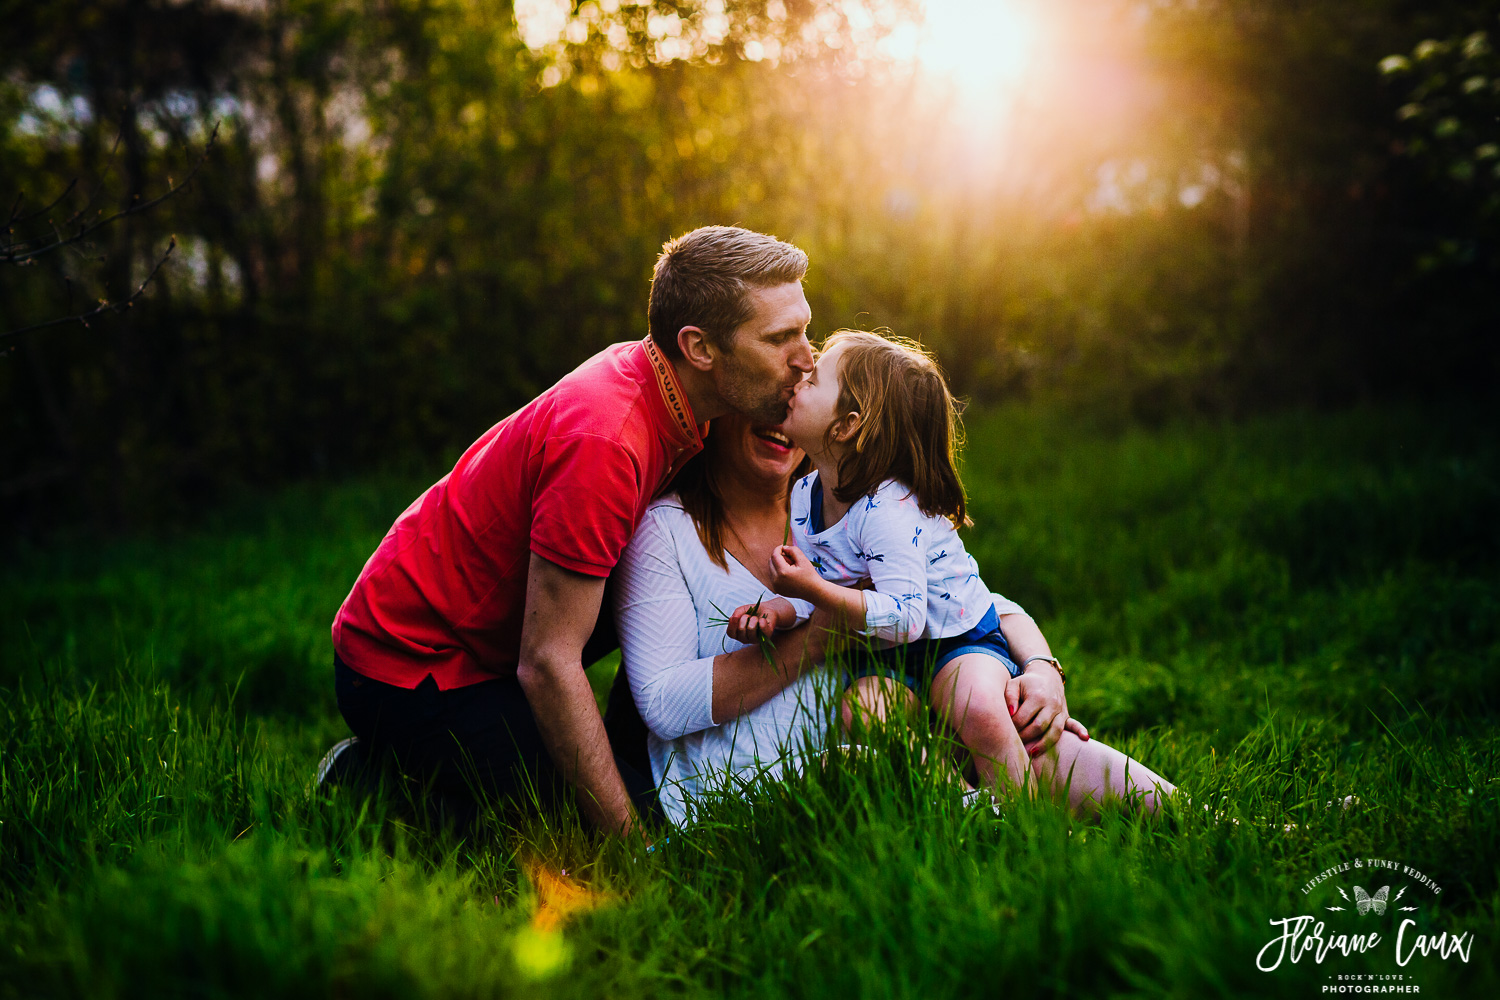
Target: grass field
x=1275 y=615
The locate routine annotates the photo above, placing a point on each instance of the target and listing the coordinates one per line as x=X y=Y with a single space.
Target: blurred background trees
x=419 y=213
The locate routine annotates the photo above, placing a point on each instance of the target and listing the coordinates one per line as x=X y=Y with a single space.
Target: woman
x=712 y=705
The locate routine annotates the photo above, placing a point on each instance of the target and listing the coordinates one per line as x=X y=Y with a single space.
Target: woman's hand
x=750 y=621
x=1039 y=708
x=793 y=574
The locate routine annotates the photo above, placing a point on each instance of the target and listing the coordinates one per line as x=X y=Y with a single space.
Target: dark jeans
x=482 y=740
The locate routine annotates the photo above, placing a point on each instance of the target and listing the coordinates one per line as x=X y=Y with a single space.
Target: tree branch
x=16 y=218
x=104 y=304
x=24 y=252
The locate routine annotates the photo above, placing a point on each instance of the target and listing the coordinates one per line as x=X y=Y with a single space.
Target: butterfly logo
x=1365 y=902
x=914 y=537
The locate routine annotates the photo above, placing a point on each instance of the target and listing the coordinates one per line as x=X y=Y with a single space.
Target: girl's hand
x=793 y=574
x=776 y=613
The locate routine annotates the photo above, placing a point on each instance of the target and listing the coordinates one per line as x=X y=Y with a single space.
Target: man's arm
x=562 y=608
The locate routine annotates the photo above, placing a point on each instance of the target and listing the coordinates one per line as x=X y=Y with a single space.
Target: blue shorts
x=915 y=664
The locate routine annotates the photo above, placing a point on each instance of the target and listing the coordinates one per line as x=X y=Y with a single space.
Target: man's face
x=769 y=354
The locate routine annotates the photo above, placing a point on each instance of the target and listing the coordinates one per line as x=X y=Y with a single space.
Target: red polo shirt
x=568 y=476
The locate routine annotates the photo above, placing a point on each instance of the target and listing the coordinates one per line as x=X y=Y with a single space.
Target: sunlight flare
x=986 y=47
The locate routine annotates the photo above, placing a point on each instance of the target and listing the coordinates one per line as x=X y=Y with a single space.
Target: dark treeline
x=409 y=222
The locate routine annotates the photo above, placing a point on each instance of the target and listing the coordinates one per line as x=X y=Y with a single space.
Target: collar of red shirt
x=688 y=432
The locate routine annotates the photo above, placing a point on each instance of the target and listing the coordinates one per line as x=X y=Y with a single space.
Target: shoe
x=978 y=797
x=340 y=764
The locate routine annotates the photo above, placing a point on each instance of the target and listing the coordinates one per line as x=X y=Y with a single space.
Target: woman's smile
x=761 y=451
x=772 y=440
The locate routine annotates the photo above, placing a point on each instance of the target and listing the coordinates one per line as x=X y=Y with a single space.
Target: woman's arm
x=677 y=691
x=752 y=675
x=658 y=628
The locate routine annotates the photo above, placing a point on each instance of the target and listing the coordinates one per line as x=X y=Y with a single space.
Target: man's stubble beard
x=750 y=396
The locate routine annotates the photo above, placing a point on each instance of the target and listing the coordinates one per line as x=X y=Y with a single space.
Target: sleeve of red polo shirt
x=584 y=509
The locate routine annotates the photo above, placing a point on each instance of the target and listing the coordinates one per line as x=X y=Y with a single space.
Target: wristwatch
x=1047 y=659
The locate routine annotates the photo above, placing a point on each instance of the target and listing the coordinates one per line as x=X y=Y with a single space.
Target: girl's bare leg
x=969 y=694
x=870 y=701
x=1092 y=773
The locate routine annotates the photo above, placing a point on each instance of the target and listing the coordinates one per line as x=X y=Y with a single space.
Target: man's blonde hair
x=702 y=277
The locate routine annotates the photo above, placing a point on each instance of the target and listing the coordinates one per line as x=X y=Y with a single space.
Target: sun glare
x=985 y=47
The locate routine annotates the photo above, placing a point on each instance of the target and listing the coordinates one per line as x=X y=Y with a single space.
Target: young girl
x=882 y=505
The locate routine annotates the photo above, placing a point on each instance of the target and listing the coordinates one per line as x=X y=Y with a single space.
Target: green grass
x=1275 y=615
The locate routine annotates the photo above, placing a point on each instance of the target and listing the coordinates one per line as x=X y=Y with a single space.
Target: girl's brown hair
x=909 y=429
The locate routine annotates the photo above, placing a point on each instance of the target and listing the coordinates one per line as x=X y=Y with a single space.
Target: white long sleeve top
x=669 y=594
x=927 y=586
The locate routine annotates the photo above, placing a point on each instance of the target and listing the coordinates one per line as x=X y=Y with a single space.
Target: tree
x=32 y=235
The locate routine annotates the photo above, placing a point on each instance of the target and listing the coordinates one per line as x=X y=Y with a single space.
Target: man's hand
x=793 y=574
x=748 y=621
x=562 y=608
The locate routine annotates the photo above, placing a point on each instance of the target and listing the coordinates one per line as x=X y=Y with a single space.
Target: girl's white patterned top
x=926 y=585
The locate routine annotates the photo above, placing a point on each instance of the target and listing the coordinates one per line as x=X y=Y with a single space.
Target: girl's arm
x=889 y=528
x=894 y=610
x=794 y=575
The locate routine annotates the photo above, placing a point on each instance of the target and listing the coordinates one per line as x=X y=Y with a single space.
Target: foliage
x=1453 y=128
x=412 y=221
x=1275 y=614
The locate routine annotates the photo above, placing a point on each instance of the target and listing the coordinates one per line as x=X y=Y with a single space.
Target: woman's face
x=757 y=451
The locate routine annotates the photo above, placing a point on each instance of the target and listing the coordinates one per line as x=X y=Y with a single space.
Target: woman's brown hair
x=909 y=429
x=699 y=495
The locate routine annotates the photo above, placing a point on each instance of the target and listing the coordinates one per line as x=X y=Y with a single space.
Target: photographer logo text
x=1372 y=909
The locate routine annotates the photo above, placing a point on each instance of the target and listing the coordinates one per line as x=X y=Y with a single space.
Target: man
x=460 y=648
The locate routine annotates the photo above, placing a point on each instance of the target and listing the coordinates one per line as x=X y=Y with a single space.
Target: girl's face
x=813 y=405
